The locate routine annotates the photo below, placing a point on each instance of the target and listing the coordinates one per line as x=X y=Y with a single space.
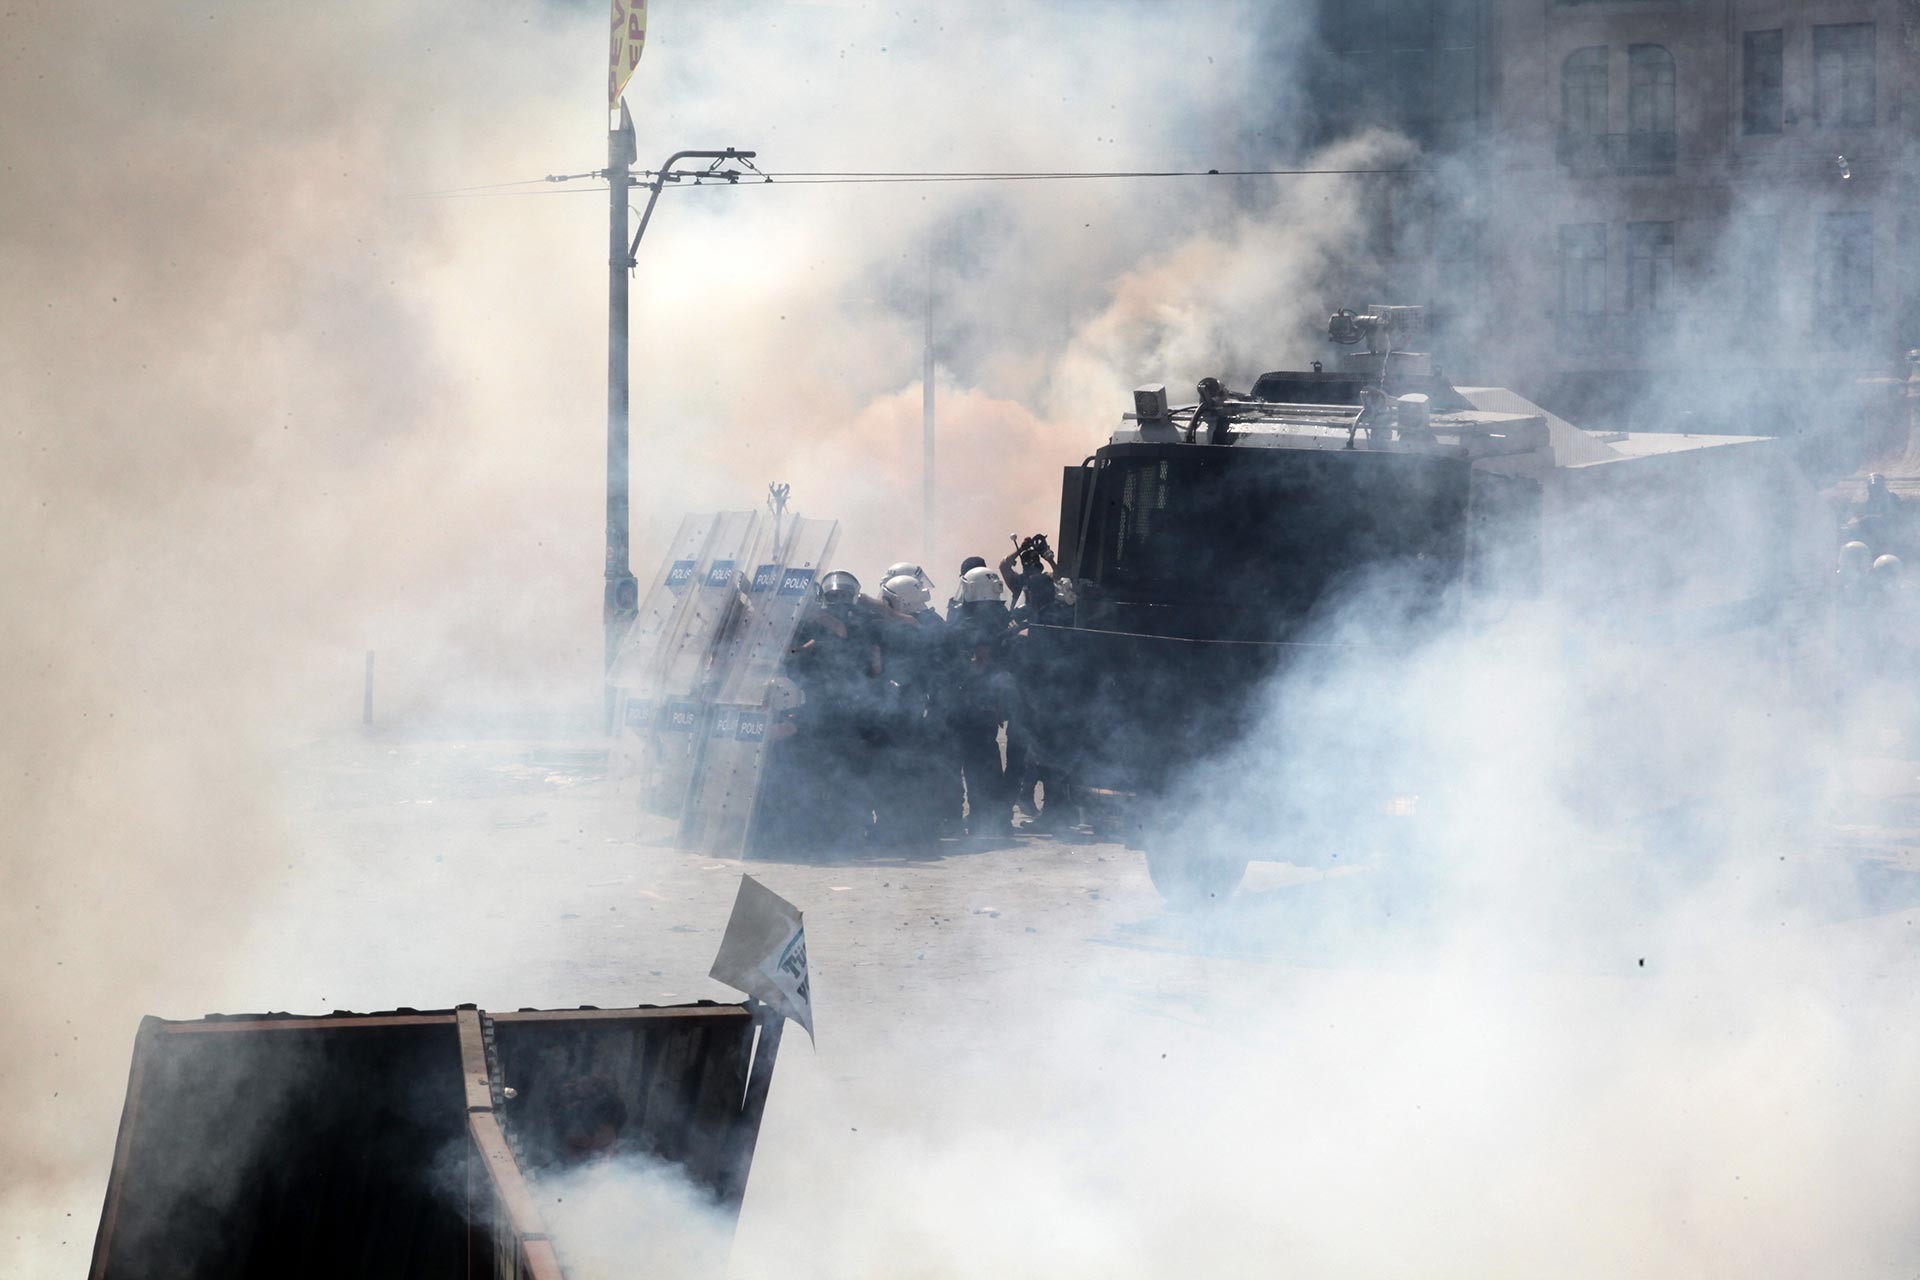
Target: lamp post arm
x=664 y=175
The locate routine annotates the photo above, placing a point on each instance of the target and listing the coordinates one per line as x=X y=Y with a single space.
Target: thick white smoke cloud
x=267 y=410
x=1576 y=1019
x=610 y=1214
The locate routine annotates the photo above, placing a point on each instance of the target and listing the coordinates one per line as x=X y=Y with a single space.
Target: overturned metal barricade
x=413 y=1143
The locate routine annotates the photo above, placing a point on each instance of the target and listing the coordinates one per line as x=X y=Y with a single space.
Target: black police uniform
x=979 y=694
x=827 y=766
x=1037 y=719
x=917 y=792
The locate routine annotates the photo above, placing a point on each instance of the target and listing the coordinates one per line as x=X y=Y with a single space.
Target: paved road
x=1027 y=1066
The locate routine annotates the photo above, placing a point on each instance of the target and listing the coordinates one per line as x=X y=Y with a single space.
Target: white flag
x=764 y=953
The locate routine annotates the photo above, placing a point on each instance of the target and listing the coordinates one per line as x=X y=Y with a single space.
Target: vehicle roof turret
x=1385 y=399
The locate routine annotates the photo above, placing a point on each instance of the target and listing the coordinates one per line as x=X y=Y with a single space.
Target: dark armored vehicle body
x=1217 y=546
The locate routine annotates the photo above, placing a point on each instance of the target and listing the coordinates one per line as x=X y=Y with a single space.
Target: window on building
x=1413 y=64
x=1649 y=89
x=1843 y=75
x=1583 y=271
x=1649 y=266
x=1763 y=81
x=1844 y=264
x=1649 y=143
x=1583 y=91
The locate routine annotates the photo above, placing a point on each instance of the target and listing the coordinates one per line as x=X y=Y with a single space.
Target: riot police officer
x=1031 y=584
x=823 y=776
x=980 y=695
x=908 y=569
x=1040 y=716
x=966 y=566
x=917 y=798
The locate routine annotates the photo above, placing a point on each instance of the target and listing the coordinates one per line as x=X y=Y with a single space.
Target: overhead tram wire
x=802 y=176
x=878 y=177
x=502 y=188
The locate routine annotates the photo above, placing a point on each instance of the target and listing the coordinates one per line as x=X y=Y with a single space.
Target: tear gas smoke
x=611 y=1213
x=1544 y=1035
x=267 y=413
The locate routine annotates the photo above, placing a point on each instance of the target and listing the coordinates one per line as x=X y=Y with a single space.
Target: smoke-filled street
x=1025 y=1059
x=816 y=639
x=525 y=855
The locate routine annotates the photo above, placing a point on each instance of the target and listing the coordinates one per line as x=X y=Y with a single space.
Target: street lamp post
x=622 y=600
x=622 y=592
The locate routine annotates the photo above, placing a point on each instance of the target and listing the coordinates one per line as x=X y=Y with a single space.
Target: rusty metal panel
x=746 y=1134
x=390 y=1144
x=683 y=1081
x=540 y=1261
x=690 y=1013
x=667 y=1105
x=717 y=1110
x=473 y=1060
x=287 y=1152
x=512 y=1199
x=122 y=1146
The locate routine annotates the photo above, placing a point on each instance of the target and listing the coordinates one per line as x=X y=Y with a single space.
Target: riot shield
x=721 y=806
x=672 y=719
x=638 y=664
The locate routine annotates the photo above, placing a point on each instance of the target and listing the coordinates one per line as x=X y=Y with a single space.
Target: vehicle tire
x=1191 y=878
x=1111 y=819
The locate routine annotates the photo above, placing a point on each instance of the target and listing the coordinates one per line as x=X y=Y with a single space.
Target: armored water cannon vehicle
x=1219 y=544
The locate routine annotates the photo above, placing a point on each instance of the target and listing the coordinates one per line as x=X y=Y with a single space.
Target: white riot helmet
x=1855 y=557
x=903 y=591
x=911 y=570
x=977 y=586
x=1887 y=566
x=1067 y=592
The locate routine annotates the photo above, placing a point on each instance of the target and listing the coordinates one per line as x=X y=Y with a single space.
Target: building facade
x=1678 y=212
x=1423 y=69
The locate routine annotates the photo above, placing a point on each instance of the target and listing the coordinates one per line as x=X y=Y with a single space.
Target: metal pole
x=622 y=592
x=926 y=427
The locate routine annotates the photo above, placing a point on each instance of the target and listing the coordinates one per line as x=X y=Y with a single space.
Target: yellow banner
x=629 y=34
